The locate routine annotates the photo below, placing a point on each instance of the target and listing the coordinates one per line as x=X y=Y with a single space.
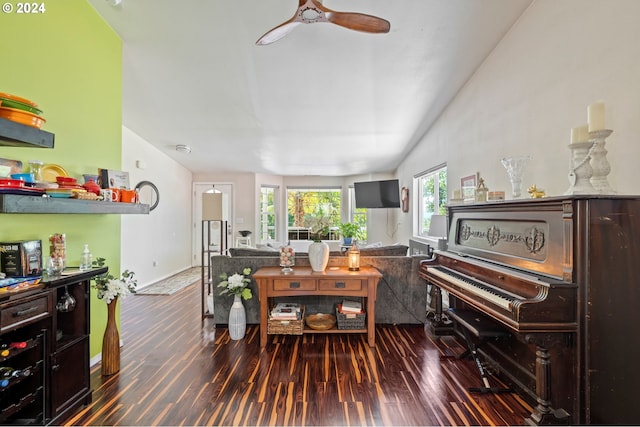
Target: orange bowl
x=22 y=117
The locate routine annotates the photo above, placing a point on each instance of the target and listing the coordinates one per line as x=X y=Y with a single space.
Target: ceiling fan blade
x=311 y=11
x=277 y=33
x=359 y=21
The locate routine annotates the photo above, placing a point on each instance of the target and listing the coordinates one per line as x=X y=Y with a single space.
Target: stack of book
x=350 y=308
x=286 y=311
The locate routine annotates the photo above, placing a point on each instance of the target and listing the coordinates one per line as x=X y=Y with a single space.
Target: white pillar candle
x=580 y=134
x=595 y=114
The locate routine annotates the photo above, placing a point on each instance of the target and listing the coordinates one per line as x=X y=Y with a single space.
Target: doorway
x=216 y=232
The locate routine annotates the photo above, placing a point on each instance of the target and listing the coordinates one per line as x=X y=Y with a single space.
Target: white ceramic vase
x=237 y=319
x=318 y=256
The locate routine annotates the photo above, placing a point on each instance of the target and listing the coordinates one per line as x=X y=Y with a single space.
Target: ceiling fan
x=311 y=11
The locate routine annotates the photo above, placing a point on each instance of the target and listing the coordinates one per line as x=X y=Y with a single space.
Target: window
x=306 y=204
x=267 y=213
x=431 y=194
x=357 y=215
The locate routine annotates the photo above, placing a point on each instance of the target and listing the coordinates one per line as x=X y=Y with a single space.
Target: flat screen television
x=377 y=194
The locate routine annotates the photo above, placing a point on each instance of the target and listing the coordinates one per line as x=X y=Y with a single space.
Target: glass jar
x=35 y=167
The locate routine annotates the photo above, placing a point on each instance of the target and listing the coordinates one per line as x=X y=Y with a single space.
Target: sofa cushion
x=265 y=251
x=393 y=250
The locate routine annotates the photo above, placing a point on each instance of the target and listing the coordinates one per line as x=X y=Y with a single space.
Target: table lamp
x=354 y=257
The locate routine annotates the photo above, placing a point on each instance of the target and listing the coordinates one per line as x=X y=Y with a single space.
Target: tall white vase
x=318 y=256
x=237 y=319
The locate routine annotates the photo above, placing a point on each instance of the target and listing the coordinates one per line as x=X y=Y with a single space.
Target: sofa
x=401 y=296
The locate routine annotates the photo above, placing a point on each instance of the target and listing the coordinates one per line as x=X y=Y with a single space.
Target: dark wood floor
x=175 y=370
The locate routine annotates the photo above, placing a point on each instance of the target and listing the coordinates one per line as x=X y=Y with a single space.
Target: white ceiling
x=324 y=100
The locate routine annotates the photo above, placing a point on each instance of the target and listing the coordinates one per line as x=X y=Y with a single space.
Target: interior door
x=216 y=232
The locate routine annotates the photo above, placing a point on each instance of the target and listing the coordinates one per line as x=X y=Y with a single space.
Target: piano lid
x=531 y=237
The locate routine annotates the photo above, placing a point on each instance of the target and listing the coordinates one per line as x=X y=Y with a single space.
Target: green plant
x=350 y=230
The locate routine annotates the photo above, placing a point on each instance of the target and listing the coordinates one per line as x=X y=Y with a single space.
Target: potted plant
x=349 y=231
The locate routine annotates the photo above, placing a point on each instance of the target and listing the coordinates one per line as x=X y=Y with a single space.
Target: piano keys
x=559 y=275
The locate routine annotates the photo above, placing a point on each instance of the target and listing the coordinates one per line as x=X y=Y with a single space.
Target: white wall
x=163 y=236
x=536 y=85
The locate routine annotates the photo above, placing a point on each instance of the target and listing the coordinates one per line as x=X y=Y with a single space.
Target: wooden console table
x=338 y=281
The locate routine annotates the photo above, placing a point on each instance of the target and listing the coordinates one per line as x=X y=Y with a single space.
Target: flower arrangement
x=236 y=284
x=287 y=256
x=318 y=227
x=110 y=287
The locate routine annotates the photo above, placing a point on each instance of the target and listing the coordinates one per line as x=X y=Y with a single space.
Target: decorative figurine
x=535 y=193
x=481 y=191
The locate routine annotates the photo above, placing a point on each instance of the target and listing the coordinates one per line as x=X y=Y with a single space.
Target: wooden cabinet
x=56 y=353
x=334 y=281
x=69 y=384
x=24 y=331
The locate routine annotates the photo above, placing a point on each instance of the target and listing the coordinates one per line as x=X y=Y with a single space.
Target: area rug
x=172 y=284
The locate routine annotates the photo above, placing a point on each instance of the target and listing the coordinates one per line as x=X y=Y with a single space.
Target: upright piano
x=562 y=276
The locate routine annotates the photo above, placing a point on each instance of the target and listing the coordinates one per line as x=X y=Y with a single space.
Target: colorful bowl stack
x=20 y=110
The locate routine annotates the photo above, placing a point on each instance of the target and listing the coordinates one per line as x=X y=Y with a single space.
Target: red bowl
x=11 y=183
x=66 y=180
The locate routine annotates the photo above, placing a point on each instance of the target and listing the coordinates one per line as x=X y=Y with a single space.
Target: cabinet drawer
x=294 y=285
x=340 y=285
x=25 y=312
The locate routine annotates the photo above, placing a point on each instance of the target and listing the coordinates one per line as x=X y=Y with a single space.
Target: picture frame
x=108 y=178
x=468 y=186
x=404 y=198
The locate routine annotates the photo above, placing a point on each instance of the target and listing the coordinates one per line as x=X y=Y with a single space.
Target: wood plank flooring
x=177 y=370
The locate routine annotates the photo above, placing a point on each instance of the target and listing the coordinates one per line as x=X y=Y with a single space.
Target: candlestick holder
x=599 y=163
x=581 y=171
x=515 y=168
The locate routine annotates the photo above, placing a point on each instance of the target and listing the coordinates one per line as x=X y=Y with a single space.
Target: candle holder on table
x=599 y=163
x=581 y=171
x=515 y=168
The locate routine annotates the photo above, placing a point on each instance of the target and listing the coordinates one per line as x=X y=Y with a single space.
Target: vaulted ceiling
x=324 y=100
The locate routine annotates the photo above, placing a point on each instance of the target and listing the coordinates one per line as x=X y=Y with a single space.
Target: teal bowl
x=11 y=103
x=26 y=177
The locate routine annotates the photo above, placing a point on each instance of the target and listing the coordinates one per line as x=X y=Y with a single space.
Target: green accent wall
x=69 y=62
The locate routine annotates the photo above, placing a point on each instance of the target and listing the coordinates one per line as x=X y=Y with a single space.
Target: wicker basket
x=286 y=327
x=350 y=321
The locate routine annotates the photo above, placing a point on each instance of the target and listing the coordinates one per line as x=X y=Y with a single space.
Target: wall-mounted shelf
x=11 y=203
x=18 y=135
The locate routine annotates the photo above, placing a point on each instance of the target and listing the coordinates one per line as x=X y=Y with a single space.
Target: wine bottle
x=7 y=372
x=18 y=344
x=5 y=347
